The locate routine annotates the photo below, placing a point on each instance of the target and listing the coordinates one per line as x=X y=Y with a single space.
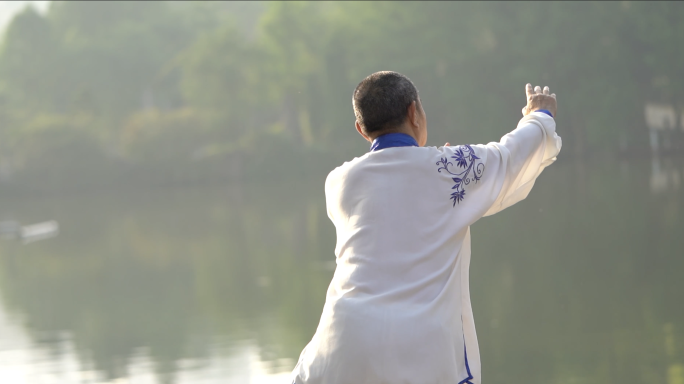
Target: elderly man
x=398 y=307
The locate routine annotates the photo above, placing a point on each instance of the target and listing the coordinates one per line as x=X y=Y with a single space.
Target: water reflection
x=664 y=175
x=579 y=283
x=170 y=274
x=589 y=293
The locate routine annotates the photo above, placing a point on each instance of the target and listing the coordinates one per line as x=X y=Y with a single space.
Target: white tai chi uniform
x=398 y=307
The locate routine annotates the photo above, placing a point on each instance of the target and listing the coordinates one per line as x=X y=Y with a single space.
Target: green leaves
x=286 y=70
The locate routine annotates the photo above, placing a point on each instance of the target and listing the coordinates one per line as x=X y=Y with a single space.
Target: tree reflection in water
x=581 y=282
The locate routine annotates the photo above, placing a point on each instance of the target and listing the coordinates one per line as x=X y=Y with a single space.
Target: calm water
x=581 y=283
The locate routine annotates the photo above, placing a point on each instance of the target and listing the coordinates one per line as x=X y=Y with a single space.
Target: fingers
x=529 y=91
x=539 y=98
x=532 y=91
x=447 y=144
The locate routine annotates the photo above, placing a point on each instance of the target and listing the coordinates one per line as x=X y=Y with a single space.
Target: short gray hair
x=381 y=101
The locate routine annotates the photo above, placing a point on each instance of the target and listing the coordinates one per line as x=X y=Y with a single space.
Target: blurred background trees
x=209 y=90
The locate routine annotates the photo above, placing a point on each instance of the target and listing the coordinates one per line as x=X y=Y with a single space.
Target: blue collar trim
x=396 y=139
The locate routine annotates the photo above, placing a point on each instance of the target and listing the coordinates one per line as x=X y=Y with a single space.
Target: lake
x=583 y=282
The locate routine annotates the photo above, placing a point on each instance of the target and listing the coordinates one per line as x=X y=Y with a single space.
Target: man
x=398 y=308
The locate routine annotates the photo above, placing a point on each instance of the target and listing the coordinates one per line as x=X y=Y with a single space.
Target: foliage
x=284 y=71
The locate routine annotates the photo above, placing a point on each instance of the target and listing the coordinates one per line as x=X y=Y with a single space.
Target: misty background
x=96 y=94
x=182 y=148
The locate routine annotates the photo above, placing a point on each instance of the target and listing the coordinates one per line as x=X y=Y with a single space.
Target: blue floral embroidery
x=464 y=157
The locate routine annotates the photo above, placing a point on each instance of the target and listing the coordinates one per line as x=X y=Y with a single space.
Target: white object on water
x=40 y=231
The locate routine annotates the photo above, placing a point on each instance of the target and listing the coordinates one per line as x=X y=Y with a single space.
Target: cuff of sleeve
x=548 y=125
x=544 y=111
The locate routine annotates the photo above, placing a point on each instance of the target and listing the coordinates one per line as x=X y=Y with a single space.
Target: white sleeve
x=520 y=157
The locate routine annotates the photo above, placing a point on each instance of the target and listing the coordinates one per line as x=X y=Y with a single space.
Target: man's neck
x=401 y=129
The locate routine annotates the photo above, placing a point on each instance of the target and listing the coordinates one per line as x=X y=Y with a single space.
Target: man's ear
x=360 y=131
x=413 y=113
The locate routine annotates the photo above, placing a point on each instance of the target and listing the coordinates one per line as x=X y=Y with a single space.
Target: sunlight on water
x=23 y=362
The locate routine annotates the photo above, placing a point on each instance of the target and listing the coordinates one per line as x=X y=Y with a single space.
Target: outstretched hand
x=539 y=99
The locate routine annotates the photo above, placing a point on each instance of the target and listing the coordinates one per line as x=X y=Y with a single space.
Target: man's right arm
x=520 y=156
x=503 y=173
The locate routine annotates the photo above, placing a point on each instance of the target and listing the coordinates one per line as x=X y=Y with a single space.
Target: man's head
x=387 y=102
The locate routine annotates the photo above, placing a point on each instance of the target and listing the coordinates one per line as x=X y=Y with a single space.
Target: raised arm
x=521 y=155
x=502 y=173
